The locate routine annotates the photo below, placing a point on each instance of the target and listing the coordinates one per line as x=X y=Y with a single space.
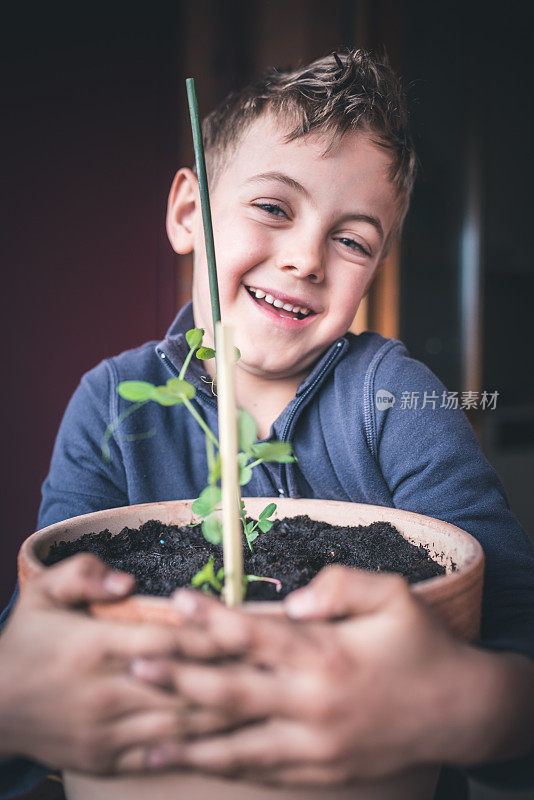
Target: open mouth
x=278 y=306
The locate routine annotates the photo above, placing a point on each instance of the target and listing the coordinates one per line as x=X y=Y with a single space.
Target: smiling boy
x=297 y=248
x=310 y=177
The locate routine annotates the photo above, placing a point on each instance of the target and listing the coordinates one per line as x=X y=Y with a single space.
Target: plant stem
x=192 y=410
x=243 y=515
x=114 y=424
x=186 y=363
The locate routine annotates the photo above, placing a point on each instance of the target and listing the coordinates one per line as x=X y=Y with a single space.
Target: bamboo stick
x=228 y=440
x=204 y=200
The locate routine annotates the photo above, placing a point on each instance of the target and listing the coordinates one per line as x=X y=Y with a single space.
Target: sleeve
x=83 y=475
x=18 y=776
x=433 y=464
x=81 y=479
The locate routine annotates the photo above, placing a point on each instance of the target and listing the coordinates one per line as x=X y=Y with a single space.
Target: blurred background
x=95 y=124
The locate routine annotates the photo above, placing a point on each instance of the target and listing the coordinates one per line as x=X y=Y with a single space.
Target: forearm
x=486 y=715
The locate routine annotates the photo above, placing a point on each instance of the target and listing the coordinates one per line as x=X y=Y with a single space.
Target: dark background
x=95 y=124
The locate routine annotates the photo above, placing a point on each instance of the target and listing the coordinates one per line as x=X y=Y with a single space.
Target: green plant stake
x=204 y=200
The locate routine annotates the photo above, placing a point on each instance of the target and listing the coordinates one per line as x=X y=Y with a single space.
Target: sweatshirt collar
x=174 y=349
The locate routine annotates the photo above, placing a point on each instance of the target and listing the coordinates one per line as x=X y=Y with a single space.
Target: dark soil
x=164 y=557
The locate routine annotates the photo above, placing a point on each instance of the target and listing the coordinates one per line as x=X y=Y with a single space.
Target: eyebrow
x=282 y=178
x=298 y=187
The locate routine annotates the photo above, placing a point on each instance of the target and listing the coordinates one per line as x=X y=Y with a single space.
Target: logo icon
x=384 y=399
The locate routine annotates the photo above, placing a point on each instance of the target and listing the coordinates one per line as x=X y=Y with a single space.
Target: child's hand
x=382 y=689
x=66 y=696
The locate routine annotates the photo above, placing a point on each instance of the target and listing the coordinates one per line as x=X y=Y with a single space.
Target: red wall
x=91 y=145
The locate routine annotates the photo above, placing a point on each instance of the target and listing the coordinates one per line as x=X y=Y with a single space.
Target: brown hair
x=345 y=90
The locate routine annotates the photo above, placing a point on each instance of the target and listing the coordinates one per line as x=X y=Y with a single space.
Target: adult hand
x=382 y=688
x=67 y=698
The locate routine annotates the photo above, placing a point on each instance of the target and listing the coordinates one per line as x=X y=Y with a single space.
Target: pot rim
x=472 y=564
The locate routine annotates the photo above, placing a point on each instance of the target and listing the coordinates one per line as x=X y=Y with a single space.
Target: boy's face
x=304 y=229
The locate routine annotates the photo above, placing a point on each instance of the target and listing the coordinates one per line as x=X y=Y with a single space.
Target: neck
x=264 y=398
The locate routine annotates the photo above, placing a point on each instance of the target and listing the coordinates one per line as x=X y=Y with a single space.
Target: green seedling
x=178 y=391
x=206 y=579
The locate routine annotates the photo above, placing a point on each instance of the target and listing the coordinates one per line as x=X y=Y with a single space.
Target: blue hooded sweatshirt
x=368 y=424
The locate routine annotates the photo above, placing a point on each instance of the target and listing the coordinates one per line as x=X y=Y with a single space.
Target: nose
x=303 y=258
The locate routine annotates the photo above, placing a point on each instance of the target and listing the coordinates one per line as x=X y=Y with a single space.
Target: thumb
x=343 y=591
x=83 y=578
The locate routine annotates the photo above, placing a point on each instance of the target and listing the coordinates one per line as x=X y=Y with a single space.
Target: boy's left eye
x=353 y=244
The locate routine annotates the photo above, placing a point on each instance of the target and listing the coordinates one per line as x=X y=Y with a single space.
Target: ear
x=182 y=207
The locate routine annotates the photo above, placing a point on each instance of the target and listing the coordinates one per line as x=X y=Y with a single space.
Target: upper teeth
x=279 y=303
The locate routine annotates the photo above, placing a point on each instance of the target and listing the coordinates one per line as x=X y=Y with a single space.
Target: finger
x=196 y=643
x=126 y=641
x=266 y=744
x=240 y=691
x=126 y=698
x=133 y=759
x=152 y=727
x=80 y=579
x=228 y=629
x=338 y=592
x=236 y=632
x=156 y=671
x=244 y=691
x=122 y=695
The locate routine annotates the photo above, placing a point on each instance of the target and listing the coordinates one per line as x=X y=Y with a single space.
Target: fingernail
x=162 y=756
x=144 y=669
x=186 y=602
x=301 y=603
x=118 y=582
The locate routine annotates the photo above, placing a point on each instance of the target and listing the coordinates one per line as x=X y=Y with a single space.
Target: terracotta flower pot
x=455 y=597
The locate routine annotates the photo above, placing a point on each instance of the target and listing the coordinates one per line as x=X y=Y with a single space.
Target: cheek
x=347 y=292
x=239 y=250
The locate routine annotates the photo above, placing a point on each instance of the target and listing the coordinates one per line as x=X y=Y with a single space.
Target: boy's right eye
x=271 y=208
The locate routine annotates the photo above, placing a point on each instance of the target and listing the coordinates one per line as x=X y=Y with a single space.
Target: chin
x=269 y=367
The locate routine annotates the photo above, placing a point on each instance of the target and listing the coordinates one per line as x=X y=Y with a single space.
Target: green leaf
x=252 y=537
x=247 y=430
x=245 y=474
x=220 y=574
x=194 y=337
x=205 y=353
x=237 y=353
x=162 y=396
x=215 y=470
x=173 y=392
x=206 y=575
x=178 y=387
x=136 y=391
x=212 y=529
x=249 y=527
x=207 y=501
x=274 y=451
x=268 y=511
x=265 y=525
